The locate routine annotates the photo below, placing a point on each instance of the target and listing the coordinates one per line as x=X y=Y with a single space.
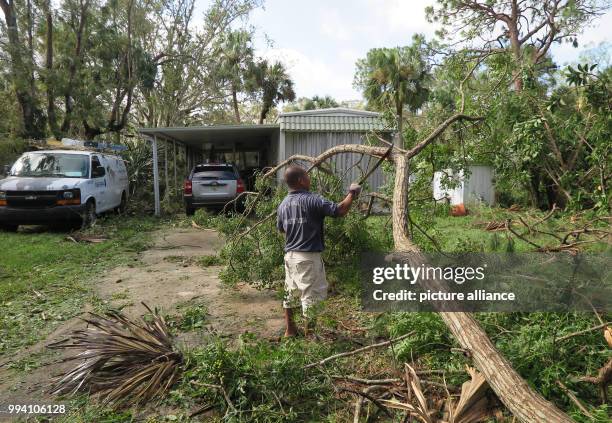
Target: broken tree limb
x=574 y=399
x=365 y=393
x=358 y=350
x=339 y=149
x=390 y=381
x=603 y=379
x=522 y=400
x=439 y=130
x=582 y=332
x=294 y=158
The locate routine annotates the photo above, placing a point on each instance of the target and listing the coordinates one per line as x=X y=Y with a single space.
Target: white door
x=100 y=180
x=114 y=188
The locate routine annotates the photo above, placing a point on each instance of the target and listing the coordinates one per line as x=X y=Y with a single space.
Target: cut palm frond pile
x=477 y=403
x=122 y=361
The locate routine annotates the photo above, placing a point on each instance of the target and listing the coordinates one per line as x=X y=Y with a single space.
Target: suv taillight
x=239 y=186
x=187 y=188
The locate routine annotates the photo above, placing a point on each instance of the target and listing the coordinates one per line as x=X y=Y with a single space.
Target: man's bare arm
x=345 y=205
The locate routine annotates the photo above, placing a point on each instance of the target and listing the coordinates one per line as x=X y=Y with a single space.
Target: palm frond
x=122 y=361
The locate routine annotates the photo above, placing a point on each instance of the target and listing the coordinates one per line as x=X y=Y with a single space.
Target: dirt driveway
x=167 y=276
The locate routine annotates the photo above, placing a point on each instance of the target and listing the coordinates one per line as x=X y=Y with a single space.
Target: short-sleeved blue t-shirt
x=300 y=216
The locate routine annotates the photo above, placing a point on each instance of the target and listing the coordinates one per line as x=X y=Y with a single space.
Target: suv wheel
x=8 y=227
x=189 y=211
x=88 y=218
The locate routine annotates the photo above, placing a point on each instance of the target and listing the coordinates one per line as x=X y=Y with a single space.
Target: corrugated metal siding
x=476 y=188
x=314 y=143
x=332 y=123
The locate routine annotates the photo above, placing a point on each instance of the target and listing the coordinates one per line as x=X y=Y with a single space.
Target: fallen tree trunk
x=523 y=401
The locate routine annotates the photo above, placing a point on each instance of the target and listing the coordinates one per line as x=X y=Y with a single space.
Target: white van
x=62 y=186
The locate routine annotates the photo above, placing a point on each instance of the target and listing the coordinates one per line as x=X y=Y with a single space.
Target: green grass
x=468 y=234
x=45 y=278
x=265 y=380
x=210 y=260
x=526 y=339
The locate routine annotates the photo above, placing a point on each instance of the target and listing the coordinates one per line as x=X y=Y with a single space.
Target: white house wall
x=476 y=188
x=440 y=191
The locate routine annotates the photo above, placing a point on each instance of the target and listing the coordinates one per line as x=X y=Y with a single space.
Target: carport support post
x=156 y=177
x=282 y=151
x=167 y=186
x=176 y=187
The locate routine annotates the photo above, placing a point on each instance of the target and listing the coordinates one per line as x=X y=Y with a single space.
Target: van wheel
x=88 y=218
x=123 y=205
x=8 y=227
x=189 y=211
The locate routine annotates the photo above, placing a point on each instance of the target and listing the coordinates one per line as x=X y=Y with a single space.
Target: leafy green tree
x=93 y=67
x=526 y=28
x=271 y=84
x=189 y=82
x=395 y=78
x=236 y=51
x=17 y=35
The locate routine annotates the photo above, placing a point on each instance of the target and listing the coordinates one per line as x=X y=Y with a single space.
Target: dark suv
x=211 y=185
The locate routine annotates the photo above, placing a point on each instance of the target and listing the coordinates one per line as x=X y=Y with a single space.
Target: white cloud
x=320 y=41
x=312 y=76
x=401 y=16
x=333 y=26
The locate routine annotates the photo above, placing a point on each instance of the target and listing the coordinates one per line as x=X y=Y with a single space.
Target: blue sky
x=320 y=41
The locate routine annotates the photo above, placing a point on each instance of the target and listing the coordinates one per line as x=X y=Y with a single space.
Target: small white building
x=472 y=187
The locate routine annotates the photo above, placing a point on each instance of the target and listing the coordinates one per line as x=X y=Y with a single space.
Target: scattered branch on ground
x=582 y=332
x=359 y=350
x=603 y=380
x=574 y=399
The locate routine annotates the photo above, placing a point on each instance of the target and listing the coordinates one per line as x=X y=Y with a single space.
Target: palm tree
x=316 y=102
x=236 y=52
x=272 y=83
x=324 y=102
x=394 y=78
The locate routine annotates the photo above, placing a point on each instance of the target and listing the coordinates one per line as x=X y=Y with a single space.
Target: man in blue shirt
x=300 y=217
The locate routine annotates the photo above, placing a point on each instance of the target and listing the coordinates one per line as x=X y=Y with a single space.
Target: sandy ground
x=165 y=276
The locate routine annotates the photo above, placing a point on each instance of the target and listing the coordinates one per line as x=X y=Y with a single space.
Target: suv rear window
x=214 y=172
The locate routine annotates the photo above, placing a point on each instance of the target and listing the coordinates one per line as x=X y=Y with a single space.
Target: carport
x=250 y=147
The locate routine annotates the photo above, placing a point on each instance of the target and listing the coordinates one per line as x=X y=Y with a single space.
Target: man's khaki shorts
x=305 y=281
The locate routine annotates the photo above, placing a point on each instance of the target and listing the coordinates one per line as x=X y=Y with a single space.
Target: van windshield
x=52 y=164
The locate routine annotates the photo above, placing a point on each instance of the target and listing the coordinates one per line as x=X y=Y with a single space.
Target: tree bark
x=49 y=82
x=524 y=402
x=74 y=64
x=263 y=114
x=22 y=75
x=235 y=103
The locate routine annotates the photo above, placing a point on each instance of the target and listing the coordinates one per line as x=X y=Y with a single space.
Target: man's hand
x=345 y=205
x=355 y=189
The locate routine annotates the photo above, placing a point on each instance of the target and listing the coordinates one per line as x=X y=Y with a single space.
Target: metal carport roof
x=195 y=136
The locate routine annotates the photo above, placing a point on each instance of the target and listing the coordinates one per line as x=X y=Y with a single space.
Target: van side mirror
x=6 y=170
x=98 y=172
